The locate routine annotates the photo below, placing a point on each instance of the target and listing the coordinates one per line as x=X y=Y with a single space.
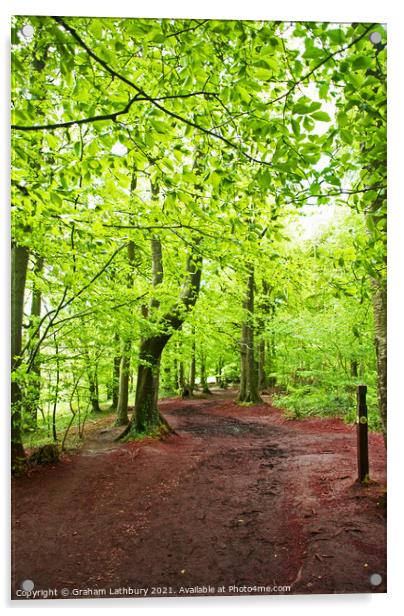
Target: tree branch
x=62 y=304
x=199 y=24
x=107 y=116
x=343 y=191
x=152 y=100
x=100 y=118
x=313 y=70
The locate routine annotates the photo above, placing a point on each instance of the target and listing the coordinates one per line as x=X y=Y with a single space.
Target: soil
x=238 y=497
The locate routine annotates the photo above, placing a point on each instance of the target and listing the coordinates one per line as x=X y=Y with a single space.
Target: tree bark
x=19 y=265
x=249 y=378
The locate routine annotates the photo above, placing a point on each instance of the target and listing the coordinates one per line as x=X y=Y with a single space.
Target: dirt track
x=239 y=496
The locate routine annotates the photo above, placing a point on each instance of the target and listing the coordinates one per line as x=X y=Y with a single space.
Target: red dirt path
x=240 y=496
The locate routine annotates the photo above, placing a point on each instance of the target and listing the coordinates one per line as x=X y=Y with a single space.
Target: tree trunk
x=271 y=366
x=93 y=388
x=354 y=367
x=181 y=376
x=262 y=376
x=116 y=374
x=192 y=369
x=32 y=398
x=243 y=362
x=56 y=394
x=122 y=418
x=168 y=373
x=265 y=347
x=221 y=382
x=146 y=417
x=249 y=378
x=204 y=382
x=19 y=265
x=380 y=319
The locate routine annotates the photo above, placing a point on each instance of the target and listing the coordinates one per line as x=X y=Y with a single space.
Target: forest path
x=240 y=496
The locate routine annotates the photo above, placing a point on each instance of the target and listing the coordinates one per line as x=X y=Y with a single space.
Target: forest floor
x=239 y=496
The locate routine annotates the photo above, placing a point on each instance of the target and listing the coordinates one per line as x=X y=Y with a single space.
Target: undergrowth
x=308 y=401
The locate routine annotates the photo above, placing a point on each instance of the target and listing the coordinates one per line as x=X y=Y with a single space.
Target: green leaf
x=342 y=119
x=301 y=109
x=361 y=62
x=321 y=116
x=55 y=198
x=158 y=38
x=323 y=90
x=243 y=93
x=314 y=52
x=308 y=123
x=346 y=136
x=263 y=74
x=337 y=36
x=295 y=127
x=160 y=127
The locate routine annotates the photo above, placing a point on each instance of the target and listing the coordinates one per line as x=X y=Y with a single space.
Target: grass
x=43 y=433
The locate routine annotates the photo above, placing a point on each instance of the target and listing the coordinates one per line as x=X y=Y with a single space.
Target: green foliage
x=241 y=126
x=339 y=401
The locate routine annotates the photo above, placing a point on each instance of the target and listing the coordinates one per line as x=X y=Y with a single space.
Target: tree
x=146 y=415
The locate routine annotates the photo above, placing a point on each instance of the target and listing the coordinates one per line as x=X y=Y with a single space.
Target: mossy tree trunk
x=146 y=417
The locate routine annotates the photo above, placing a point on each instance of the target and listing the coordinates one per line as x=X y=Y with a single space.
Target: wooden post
x=362 y=434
